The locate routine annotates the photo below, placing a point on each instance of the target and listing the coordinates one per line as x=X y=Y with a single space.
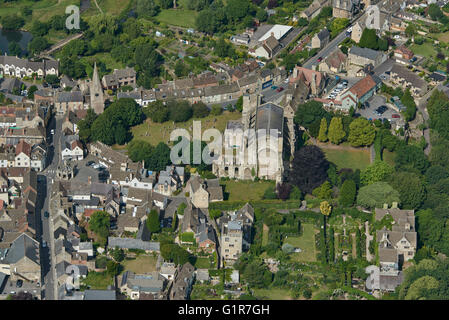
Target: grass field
x=355 y=159
x=178 y=17
x=272 y=294
x=42 y=10
x=442 y=36
x=97 y=280
x=245 y=190
x=426 y=50
x=306 y=242
x=203 y=263
x=142 y=264
x=154 y=133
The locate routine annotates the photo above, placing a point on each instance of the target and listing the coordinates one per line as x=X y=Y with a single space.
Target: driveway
x=375 y=102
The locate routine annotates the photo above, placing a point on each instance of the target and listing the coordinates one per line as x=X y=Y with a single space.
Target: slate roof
x=270 y=116
x=407 y=75
x=131 y=243
x=365 y=52
x=75 y=96
x=23 y=246
x=323 y=34
x=99 y=295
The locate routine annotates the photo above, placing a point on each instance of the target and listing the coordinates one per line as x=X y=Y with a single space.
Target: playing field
x=306 y=242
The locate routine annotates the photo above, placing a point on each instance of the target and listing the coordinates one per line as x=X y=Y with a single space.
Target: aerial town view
x=224 y=150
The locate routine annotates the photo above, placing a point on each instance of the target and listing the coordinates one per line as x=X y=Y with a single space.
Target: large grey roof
x=130 y=243
x=75 y=96
x=365 y=52
x=23 y=246
x=269 y=116
x=99 y=295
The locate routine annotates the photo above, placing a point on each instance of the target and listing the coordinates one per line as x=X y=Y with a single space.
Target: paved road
x=331 y=46
x=46 y=182
x=422 y=106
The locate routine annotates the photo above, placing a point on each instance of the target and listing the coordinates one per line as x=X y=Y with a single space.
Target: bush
x=216 y=110
x=347 y=193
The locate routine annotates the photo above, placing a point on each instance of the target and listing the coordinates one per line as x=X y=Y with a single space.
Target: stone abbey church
x=260 y=143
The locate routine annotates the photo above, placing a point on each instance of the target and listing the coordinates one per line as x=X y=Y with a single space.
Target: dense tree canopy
x=361 y=133
x=376 y=194
x=309 y=168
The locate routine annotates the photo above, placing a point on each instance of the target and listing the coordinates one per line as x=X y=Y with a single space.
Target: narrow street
x=45 y=189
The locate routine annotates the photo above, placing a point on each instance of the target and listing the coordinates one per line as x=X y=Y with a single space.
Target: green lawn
x=142 y=264
x=178 y=17
x=245 y=190
x=426 y=50
x=97 y=280
x=355 y=158
x=42 y=10
x=154 y=133
x=188 y=237
x=272 y=294
x=306 y=242
x=203 y=263
x=388 y=157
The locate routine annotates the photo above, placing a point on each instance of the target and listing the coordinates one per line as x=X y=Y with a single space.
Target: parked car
x=319 y=59
x=90 y=163
x=280 y=89
x=44 y=244
x=274 y=87
x=46 y=214
x=19 y=283
x=395 y=115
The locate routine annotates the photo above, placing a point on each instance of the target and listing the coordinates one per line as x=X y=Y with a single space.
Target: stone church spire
x=96 y=92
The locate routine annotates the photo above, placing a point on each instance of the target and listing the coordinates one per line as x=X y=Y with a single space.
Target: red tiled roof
x=363 y=86
x=24 y=147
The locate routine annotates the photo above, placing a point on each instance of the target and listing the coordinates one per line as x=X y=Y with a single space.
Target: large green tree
x=376 y=194
x=336 y=133
x=153 y=222
x=361 y=133
x=378 y=171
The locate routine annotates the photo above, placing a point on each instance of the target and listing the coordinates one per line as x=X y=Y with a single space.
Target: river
x=22 y=37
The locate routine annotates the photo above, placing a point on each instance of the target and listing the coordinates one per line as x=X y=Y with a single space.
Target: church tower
x=96 y=92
